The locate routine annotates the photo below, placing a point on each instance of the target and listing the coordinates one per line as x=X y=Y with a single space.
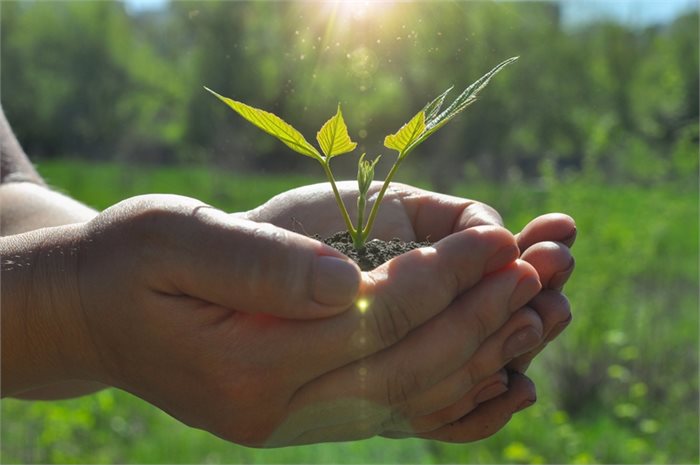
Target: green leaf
x=273 y=125
x=409 y=133
x=431 y=109
x=333 y=136
x=464 y=99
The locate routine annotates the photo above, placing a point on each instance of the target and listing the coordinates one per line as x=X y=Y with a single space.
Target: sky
x=638 y=12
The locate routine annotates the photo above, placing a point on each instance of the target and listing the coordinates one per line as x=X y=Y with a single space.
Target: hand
x=237 y=327
x=410 y=213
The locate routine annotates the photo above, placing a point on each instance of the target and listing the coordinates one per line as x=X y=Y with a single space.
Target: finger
x=521 y=333
x=489 y=417
x=556 y=227
x=394 y=378
x=554 y=310
x=553 y=262
x=436 y=364
x=489 y=388
x=434 y=215
x=479 y=423
x=405 y=292
x=399 y=297
x=424 y=215
x=252 y=267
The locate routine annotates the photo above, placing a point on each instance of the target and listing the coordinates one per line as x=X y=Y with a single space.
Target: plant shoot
x=333 y=140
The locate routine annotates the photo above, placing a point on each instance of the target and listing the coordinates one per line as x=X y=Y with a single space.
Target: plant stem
x=359 y=239
x=354 y=233
x=364 y=232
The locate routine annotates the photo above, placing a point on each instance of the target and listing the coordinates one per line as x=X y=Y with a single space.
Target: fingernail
x=336 y=281
x=526 y=289
x=502 y=258
x=525 y=404
x=558 y=328
x=520 y=342
x=570 y=239
x=491 y=391
x=559 y=279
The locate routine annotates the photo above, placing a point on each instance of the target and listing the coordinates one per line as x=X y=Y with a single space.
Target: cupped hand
x=410 y=213
x=266 y=337
x=414 y=214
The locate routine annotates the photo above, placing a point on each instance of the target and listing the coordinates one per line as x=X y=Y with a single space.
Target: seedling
x=333 y=139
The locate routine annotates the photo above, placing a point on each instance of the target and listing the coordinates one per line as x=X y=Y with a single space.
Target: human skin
x=410 y=214
x=122 y=228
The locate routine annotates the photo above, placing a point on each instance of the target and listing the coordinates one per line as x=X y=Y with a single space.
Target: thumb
x=260 y=268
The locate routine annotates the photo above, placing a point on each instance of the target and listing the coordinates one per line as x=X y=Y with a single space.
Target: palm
x=312 y=210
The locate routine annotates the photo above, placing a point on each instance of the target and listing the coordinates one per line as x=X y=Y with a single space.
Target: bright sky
x=141 y=5
x=641 y=12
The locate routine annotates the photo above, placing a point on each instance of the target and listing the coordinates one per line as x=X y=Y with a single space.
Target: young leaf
x=333 y=136
x=273 y=125
x=464 y=99
x=365 y=174
x=431 y=109
x=407 y=135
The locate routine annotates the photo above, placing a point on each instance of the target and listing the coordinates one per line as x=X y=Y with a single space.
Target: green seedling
x=333 y=140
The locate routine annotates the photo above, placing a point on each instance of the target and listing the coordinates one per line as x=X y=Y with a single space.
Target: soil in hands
x=375 y=252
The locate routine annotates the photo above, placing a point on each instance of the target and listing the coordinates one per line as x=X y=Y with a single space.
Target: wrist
x=44 y=335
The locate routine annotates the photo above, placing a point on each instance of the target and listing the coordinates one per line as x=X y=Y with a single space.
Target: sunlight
x=357 y=10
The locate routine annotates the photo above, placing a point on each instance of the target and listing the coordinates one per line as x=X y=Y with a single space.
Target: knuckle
x=152 y=212
x=154 y=217
x=142 y=227
x=151 y=232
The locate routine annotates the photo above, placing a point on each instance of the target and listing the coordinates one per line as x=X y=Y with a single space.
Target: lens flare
x=362 y=305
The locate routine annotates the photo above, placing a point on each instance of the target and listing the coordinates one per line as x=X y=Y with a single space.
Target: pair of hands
x=252 y=332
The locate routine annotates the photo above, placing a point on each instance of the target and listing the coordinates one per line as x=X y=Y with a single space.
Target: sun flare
x=362 y=305
x=358 y=10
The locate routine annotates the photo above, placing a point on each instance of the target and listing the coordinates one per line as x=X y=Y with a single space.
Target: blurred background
x=598 y=118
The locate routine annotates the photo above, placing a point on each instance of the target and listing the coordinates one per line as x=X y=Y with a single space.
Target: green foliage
x=590 y=108
x=92 y=80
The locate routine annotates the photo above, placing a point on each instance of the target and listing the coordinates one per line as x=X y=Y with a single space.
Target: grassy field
x=620 y=386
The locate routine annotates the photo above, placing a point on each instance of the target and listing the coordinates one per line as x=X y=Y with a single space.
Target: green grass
x=620 y=386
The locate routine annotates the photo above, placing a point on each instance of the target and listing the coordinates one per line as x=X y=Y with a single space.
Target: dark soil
x=375 y=252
